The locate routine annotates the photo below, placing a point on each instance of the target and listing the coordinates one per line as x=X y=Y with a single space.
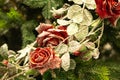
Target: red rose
x=108 y=9
x=49 y=36
x=44 y=59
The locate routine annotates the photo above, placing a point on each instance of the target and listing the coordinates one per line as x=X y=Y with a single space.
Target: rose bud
x=43 y=59
x=109 y=9
x=5 y=62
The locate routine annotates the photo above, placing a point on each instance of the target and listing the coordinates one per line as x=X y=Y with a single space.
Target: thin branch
x=16 y=75
x=99 y=38
x=4 y=76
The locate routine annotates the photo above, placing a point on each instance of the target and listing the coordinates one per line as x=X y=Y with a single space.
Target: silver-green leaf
x=65 y=61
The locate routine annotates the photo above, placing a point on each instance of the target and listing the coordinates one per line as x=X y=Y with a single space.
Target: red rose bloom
x=49 y=36
x=44 y=59
x=108 y=9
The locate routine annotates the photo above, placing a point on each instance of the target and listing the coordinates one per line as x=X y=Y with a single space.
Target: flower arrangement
x=72 y=37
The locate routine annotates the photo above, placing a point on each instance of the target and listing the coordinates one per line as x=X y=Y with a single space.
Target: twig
x=100 y=35
x=4 y=76
x=16 y=75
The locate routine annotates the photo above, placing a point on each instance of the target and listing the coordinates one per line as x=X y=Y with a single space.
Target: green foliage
x=114 y=68
x=11 y=19
x=28 y=35
x=13 y=14
x=2 y=2
x=46 y=5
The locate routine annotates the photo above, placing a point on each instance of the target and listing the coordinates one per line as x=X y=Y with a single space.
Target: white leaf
x=61 y=49
x=74 y=46
x=96 y=53
x=90 y=45
x=90 y=4
x=4 y=51
x=26 y=59
x=78 y=1
x=73 y=10
x=78 y=17
x=72 y=29
x=82 y=33
x=63 y=22
x=65 y=61
x=23 y=52
x=87 y=17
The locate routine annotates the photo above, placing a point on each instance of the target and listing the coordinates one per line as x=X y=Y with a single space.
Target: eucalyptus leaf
x=90 y=4
x=61 y=49
x=78 y=17
x=95 y=53
x=72 y=29
x=73 y=46
x=4 y=51
x=78 y=1
x=23 y=52
x=73 y=10
x=65 y=61
x=63 y=22
x=82 y=33
x=87 y=17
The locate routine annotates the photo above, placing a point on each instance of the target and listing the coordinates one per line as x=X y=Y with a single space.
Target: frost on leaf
x=63 y=22
x=72 y=29
x=90 y=4
x=23 y=52
x=65 y=61
x=96 y=53
x=61 y=49
x=82 y=33
x=87 y=17
x=73 y=10
x=4 y=51
x=73 y=46
x=78 y=1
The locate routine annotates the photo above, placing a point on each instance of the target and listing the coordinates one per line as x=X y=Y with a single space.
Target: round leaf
x=87 y=18
x=62 y=48
x=74 y=46
x=63 y=22
x=72 y=29
x=73 y=10
x=65 y=61
x=82 y=33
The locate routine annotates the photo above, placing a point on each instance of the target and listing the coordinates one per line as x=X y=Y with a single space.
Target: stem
x=16 y=75
x=4 y=76
x=100 y=35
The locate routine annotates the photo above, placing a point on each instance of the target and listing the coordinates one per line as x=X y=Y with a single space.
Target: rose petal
x=43 y=27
